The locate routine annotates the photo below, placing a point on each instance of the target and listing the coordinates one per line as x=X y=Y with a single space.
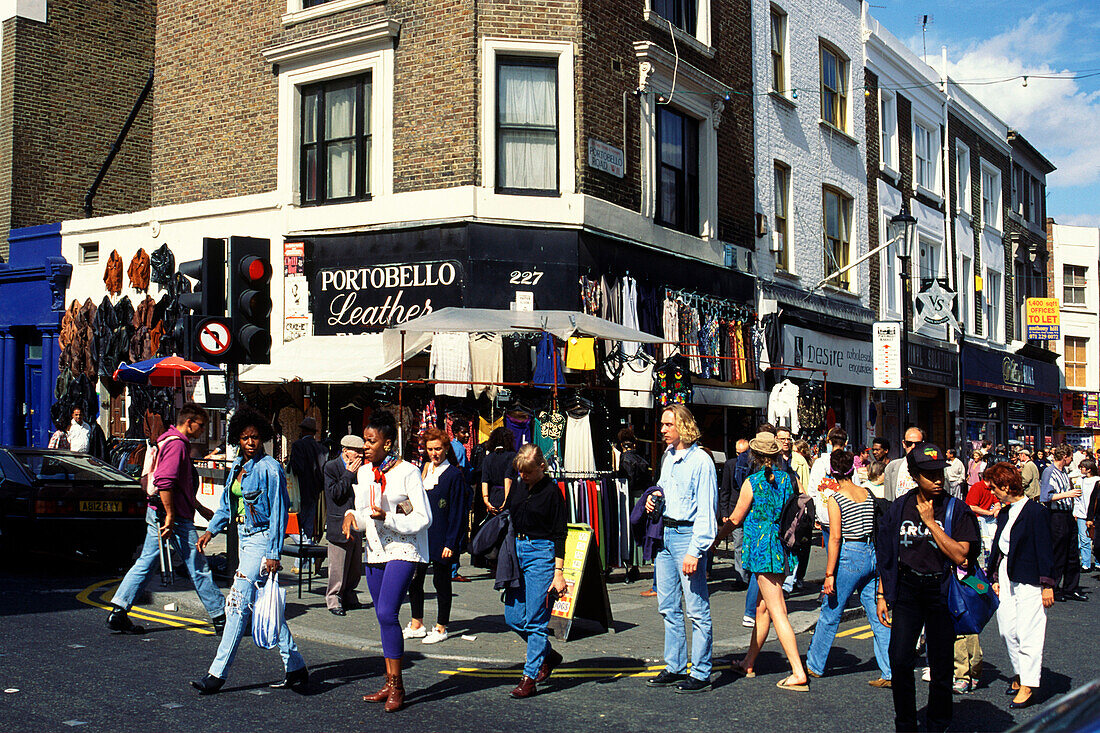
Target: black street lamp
x=901 y=228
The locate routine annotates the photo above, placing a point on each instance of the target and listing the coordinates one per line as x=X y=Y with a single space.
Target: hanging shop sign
x=363 y=299
x=1043 y=321
x=935 y=306
x=886 y=342
x=1081 y=409
x=844 y=360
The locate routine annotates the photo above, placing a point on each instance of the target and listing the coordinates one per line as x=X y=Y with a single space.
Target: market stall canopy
x=333 y=359
x=561 y=324
x=165 y=371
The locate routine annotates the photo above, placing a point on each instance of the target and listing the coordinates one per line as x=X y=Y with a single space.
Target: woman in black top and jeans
x=497 y=472
x=914 y=556
x=538 y=515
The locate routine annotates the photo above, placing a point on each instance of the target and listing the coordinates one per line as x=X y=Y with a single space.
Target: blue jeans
x=1084 y=542
x=238 y=610
x=752 y=596
x=183 y=539
x=855 y=573
x=672 y=588
x=527 y=608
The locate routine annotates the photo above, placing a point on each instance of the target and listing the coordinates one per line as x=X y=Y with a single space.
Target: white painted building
x=1076 y=265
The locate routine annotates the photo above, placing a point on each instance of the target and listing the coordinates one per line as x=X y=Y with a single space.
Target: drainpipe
x=117 y=144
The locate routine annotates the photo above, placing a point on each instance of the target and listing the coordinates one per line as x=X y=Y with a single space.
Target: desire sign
x=1043 y=321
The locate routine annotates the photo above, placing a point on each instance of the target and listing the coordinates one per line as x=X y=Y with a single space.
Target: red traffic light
x=255 y=269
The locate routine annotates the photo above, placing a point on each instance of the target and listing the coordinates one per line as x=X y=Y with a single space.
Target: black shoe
x=666 y=678
x=218 y=622
x=120 y=622
x=353 y=606
x=1010 y=690
x=1075 y=595
x=208 y=685
x=693 y=684
x=338 y=612
x=632 y=574
x=296 y=680
x=1059 y=596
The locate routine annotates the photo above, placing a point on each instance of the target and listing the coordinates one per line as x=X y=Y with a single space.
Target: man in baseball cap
x=345 y=556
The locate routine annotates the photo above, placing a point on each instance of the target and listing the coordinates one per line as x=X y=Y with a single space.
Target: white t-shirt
x=1014 y=510
x=80 y=437
x=1081 y=503
x=398 y=536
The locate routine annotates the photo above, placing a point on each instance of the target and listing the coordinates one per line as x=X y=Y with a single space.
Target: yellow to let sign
x=1043 y=321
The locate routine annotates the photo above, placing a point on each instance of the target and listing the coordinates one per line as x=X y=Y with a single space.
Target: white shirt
x=955 y=472
x=1081 y=503
x=80 y=437
x=818 y=473
x=1006 y=533
x=398 y=536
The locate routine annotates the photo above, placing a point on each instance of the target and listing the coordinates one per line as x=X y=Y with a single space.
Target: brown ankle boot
x=396 y=699
x=383 y=694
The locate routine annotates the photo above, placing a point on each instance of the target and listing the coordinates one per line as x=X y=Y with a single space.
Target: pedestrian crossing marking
x=106 y=593
x=856 y=630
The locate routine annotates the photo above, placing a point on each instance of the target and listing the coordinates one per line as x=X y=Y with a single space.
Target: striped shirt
x=856 y=518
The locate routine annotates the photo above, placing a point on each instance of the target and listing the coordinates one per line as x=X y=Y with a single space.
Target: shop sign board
x=295 y=291
x=986 y=371
x=844 y=360
x=585 y=590
x=364 y=299
x=606 y=158
x=886 y=342
x=1043 y=319
x=1081 y=409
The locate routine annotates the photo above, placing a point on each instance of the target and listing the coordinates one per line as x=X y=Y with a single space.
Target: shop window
x=1075 y=348
x=677 y=170
x=336 y=141
x=1073 y=284
x=834 y=88
x=527 y=125
x=782 y=216
x=838 y=226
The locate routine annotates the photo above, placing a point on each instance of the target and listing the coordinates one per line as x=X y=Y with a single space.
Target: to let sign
x=606 y=158
x=886 y=345
x=1043 y=319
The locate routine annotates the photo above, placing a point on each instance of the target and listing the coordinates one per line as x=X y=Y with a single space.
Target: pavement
x=477 y=630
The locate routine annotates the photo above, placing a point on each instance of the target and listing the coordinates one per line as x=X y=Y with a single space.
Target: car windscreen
x=58 y=467
x=10 y=468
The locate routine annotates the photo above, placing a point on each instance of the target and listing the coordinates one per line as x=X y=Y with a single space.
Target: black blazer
x=339 y=497
x=1030 y=557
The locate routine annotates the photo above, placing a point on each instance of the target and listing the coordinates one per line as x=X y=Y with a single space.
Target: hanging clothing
x=485 y=428
x=693 y=339
x=671 y=319
x=517 y=358
x=138 y=271
x=590 y=296
x=580 y=356
x=579 y=454
x=672 y=383
x=429 y=418
x=811 y=409
x=162 y=265
x=630 y=313
x=486 y=364
x=545 y=372
x=649 y=315
x=521 y=427
x=636 y=382
x=783 y=406
x=549 y=427
x=112 y=273
x=450 y=362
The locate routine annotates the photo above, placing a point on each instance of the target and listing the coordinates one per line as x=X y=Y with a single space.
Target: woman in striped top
x=850 y=568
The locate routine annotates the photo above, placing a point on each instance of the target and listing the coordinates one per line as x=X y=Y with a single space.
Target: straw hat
x=764 y=443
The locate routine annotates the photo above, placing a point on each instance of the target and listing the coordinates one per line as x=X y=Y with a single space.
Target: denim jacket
x=264 y=502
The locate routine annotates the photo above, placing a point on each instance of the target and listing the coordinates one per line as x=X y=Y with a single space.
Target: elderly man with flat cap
x=345 y=556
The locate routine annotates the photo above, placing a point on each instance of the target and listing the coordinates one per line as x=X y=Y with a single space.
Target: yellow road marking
x=145 y=614
x=868 y=635
x=856 y=630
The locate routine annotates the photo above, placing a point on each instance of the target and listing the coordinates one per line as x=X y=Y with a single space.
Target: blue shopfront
x=1008 y=398
x=32 y=288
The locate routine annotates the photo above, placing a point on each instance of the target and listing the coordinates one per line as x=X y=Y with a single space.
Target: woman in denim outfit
x=850 y=568
x=258 y=483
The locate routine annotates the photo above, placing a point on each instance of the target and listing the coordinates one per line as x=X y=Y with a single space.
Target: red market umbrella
x=166 y=371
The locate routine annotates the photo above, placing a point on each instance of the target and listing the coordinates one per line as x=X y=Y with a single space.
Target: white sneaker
x=748 y=622
x=410 y=633
x=434 y=637
x=926 y=675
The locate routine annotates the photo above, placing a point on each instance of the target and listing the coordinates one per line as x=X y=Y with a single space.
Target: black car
x=60 y=500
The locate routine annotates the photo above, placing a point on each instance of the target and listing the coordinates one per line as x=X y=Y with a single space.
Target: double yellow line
x=859 y=632
x=145 y=614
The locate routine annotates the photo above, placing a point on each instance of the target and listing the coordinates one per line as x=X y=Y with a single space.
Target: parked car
x=61 y=500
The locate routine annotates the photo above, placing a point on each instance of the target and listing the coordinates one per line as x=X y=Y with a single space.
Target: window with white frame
x=1019 y=188
x=1076 y=348
x=991 y=197
x=782 y=216
x=778 y=31
x=834 y=87
x=1035 y=201
x=677 y=170
x=681 y=13
x=926 y=150
x=994 y=306
x=929 y=256
x=966 y=294
x=963 y=199
x=527 y=125
x=1073 y=284
x=837 y=221
x=888 y=127
x=336 y=141
x=891 y=279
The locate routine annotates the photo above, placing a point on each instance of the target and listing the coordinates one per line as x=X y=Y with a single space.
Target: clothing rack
x=824 y=374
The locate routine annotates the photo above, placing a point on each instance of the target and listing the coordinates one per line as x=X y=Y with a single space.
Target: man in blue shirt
x=689 y=493
x=1056 y=491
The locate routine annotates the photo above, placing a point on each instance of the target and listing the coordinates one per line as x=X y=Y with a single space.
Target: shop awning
x=561 y=324
x=729 y=397
x=333 y=359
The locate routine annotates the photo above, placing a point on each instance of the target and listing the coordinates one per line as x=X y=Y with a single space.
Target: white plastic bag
x=268 y=613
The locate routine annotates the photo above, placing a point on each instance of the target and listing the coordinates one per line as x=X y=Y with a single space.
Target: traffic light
x=206 y=299
x=250 y=299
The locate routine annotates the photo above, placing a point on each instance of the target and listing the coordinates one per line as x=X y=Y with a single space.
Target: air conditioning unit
x=761 y=224
x=776 y=243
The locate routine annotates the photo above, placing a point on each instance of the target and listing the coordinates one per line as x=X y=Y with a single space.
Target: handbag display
x=970 y=597
x=268 y=613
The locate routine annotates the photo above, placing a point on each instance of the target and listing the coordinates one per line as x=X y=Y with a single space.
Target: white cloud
x=1056 y=115
x=1079 y=220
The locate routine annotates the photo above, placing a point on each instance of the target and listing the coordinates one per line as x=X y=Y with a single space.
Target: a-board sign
x=585 y=590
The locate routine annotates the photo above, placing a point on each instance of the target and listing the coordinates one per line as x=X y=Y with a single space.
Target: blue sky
x=994 y=39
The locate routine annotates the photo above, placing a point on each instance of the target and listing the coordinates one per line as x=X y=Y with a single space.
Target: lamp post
x=901 y=228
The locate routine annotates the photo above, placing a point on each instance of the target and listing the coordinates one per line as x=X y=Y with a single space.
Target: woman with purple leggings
x=391 y=509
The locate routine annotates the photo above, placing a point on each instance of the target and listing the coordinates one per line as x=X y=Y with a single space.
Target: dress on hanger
x=636 y=382
x=630 y=313
x=672 y=329
x=545 y=373
x=579 y=454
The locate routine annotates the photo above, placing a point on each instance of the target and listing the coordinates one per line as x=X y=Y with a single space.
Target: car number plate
x=101 y=506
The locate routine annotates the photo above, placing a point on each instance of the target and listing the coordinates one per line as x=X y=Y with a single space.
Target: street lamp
x=901 y=229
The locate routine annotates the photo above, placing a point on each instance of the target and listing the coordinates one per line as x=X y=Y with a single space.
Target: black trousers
x=1067 y=555
x=921 y=604
x=441 y=579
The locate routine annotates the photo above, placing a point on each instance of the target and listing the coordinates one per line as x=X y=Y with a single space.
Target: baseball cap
x=927 y=457
x=352 y=441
